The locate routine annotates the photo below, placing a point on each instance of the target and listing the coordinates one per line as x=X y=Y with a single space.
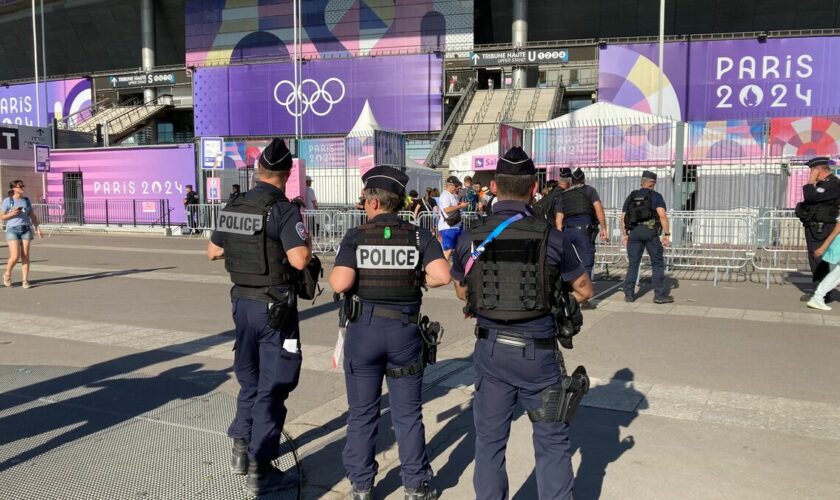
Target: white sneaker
x=816 y=303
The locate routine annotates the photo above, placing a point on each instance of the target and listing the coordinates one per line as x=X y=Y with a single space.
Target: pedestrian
x=490 y=84
x=818 y=212
x=468 y=195
x=20 y=222
x=426 y=204
x=383 y=339
x=234 y=192
x=449 y=222
x=510 y=289
x=580 y=215
x=413 y=204
x=565 y=180
x=829 y=252
x=645 y=222
x=191 y=207
x=264 y=244
x=311 y=199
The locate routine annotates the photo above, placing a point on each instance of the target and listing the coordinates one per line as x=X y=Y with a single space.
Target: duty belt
x=516 y=339
x=384 y=312
x=259 y=294
x=580 y=228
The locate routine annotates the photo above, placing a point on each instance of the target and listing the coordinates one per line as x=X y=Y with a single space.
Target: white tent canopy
x=603 y=113
x=462 y=163
x=366 y=124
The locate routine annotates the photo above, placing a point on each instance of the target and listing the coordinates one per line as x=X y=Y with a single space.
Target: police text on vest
x=236 y=223
x=387 y=257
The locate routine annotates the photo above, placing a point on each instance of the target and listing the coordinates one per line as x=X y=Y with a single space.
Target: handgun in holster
x=432 y=334
x=350 y=308
x=283 y=301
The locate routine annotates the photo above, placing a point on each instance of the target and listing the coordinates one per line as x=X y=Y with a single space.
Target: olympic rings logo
x=310 y=94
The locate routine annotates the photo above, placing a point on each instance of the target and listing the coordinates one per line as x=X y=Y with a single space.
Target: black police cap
x=647 y=174
x=578 y=175
x=565 y=173
x=276 y=156
x=820 y=161
x=515 y=162
x=388 y=178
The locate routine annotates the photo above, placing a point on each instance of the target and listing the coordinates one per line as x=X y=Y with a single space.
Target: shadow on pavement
x=95 y=276
x=114 y=401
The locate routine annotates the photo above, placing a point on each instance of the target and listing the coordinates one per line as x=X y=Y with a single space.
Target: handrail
x=136 y=110
x=557 y=100
x=529 y=116
x=438 y=151
x=69 y=122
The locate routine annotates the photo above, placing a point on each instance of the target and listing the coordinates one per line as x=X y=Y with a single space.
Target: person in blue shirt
x=645 y=218
x=509 y=288
x=20 y=223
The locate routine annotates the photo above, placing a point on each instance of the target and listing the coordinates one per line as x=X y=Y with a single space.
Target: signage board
x=389 y=149
x=214 y=189
x=519 y=57
x=42 y=158
x=142 y=80
x=212 y=152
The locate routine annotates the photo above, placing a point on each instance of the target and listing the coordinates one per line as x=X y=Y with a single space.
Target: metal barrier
x=780 y=246
x=203 y=217
x=711 y=241
x=104 y=212
x=611 y=252
x=322 y=230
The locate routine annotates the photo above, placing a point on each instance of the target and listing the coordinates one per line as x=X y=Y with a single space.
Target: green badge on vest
x=387 y=233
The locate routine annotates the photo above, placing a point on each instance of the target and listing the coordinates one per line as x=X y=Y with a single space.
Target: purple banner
x=127 y=174
x=322 y=153
x=725 y=80
x=59 y=99
x=404 y=94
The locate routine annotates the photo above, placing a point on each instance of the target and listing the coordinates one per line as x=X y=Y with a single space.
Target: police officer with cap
x=579 y=213
x=819 y=211
x=565 y=178
x=508 y=267
x=383 y=266
x=645 y=217
x=265 y=245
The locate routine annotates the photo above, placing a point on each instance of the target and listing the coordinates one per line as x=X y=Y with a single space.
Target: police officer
x=509 y=288
x=645 y=217
x=579 y=213
x=819 y=210
x=384 y=264
x=264 y=243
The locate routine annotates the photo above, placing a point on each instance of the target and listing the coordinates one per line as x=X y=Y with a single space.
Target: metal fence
x=132 y=213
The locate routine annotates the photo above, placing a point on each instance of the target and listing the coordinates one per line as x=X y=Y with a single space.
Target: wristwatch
x=666 y=234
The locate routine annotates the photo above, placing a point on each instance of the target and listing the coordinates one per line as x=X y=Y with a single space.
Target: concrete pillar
x=147 y=31
x=519 y=38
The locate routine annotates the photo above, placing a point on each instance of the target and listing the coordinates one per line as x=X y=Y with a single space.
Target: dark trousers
x=814 y=240
x=507 y=375
x=583 y=246
x=266 y=373
x=372 y=344
x=638 y=240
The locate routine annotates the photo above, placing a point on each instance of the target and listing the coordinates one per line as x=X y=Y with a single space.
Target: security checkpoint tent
x=603 y=114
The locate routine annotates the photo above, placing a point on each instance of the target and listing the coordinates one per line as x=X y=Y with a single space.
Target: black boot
x=422 y=492
x=359 y=494
x=239 y=457
x=264 y=478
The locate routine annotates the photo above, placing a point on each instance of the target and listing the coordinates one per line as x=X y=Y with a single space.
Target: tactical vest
x=825 y=212
x=251 y=258
x=575 y=202
x=510 y=281
x=388 y=262
x=640 y=208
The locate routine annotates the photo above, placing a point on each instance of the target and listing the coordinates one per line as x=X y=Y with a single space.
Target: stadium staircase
x=475 y=120
x=118 y=121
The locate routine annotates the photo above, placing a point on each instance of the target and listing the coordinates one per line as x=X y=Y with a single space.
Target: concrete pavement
x=728 y=393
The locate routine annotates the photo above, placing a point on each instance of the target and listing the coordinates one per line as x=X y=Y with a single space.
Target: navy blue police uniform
x=256 y=230
x=515 y=359
x=580 y=223
x=388 y=255
x=818 y=212
x=643 y=228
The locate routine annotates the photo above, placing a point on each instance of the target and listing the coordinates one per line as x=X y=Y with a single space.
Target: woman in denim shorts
x=20 y=223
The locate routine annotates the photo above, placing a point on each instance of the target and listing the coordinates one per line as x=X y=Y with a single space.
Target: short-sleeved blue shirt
x=284 y=222
x=581 y=219
x=560 y=254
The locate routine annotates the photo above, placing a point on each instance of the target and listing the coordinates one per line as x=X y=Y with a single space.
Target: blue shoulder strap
x=492 y=236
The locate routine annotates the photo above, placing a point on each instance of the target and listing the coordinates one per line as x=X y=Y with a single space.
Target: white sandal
x=7 y=280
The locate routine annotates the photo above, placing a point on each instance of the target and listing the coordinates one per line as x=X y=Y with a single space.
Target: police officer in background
x=645 y=218
x=382 y=265
x=264 y=243
x=510 y=289
x=564 y=180
x=579 y=214
x=818 y=211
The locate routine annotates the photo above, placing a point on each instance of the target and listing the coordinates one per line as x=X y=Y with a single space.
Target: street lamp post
x=661 y=56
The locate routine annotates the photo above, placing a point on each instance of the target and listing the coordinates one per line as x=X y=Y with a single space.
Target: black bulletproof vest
x=510 y=281
x=825 y=212
x=389 y=264
x=251 y=258
x=640 y=208
x=575 y=202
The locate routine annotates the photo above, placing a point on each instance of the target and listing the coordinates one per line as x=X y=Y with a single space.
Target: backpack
x=545 y=207
x=640 y=208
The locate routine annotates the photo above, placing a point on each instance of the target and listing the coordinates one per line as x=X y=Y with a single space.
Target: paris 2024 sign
x=725 y=80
